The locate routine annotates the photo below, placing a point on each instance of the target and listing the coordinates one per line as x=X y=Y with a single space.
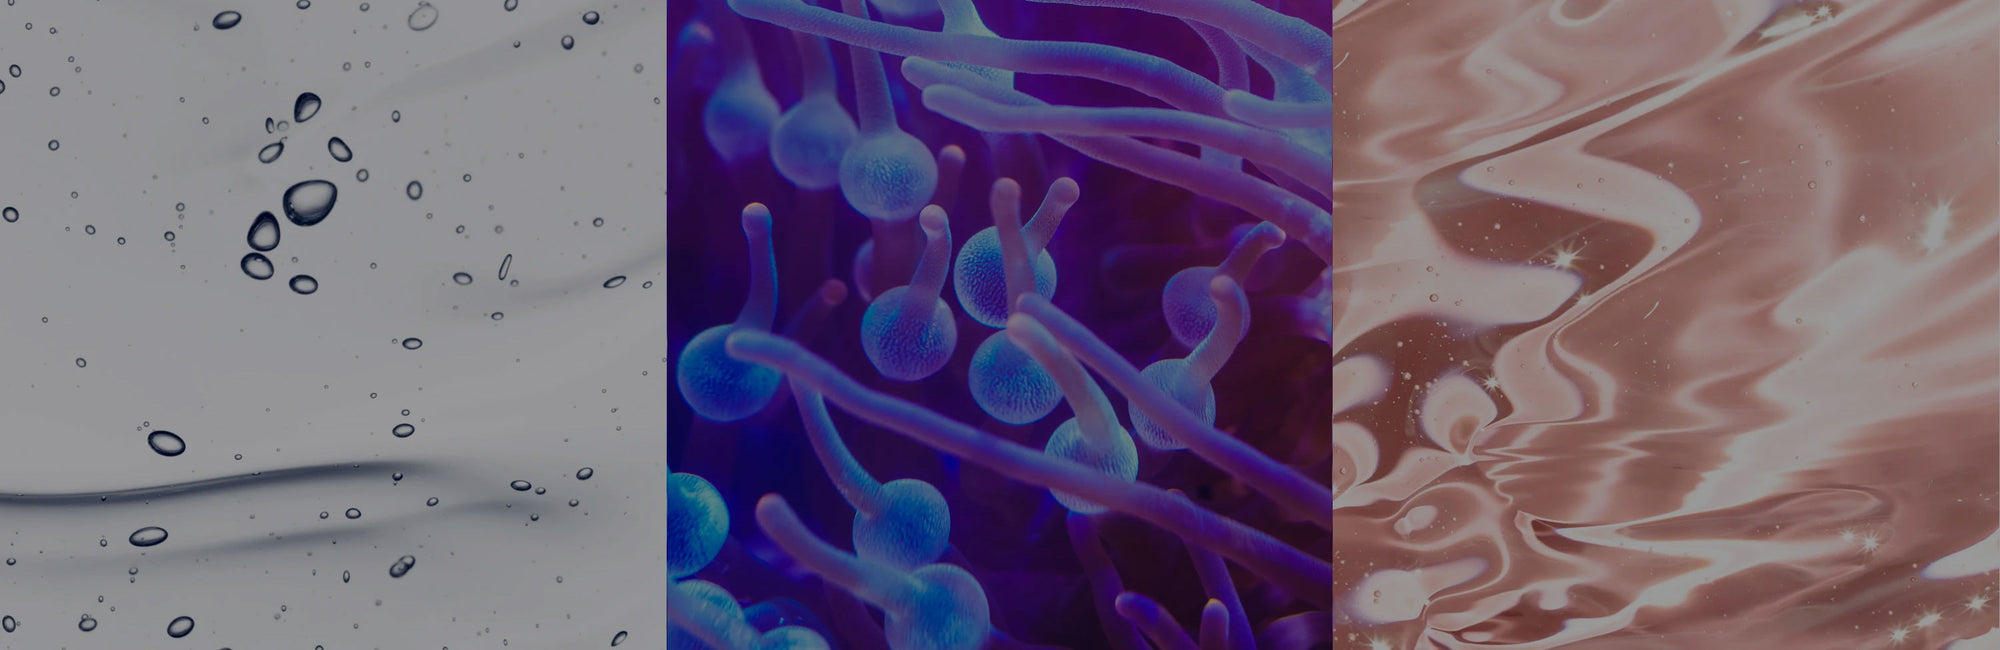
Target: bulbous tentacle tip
x=934 y=221
x=833 y=292
x=1268 y=234
x=952 y=152
x=1223 y=289
x=756 y=220
x=1065 y=190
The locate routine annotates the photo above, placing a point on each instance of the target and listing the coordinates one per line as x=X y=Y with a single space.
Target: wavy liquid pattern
x=1691 y=312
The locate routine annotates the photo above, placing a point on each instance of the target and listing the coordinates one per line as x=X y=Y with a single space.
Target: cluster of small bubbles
x=404 y=430
x=412 y=343
x=353 y=513
x=520 y=486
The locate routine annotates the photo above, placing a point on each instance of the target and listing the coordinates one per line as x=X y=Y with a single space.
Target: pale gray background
x=177 y=338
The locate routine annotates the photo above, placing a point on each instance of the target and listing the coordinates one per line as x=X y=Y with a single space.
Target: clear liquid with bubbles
x=297 y=325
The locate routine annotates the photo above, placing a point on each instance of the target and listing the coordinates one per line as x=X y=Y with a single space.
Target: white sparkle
x=1936 y=223
x=1491 y=382
x=1565 y=258
x=1379 y=644
x=1976 y=603
x=1929 y=619
x=1847 y=536
x=1869 y=543
x=1899 y=635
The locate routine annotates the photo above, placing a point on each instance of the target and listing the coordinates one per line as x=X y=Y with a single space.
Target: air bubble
x=14 y=70
x=598 y=222
x=87 y=623
x=10 y=214
x=510 y=5
x=148 y=536
x=520 y=486
x=304 y=284
x=338 y=149
x=568 y=42
x=54 y=145
x=346 y=576
x=258 y=267
x=396 y=116
x=462 y=278
x=414 y=190
x=270 y=152
x=81 y=363
x=166 y=443
x=614 y=282
x=263 y=235
x=402 y=566
x=180 y=627
x=353 y=513
x=305 y=107
x=425 y=16
x=590 y=18
x=404 y=430
x=412 y=343
x=506 y=262
x=361 y=175
x=432 y=502
x=8 y=623
x=585 y=474
x=308 y=202
x=224 y=20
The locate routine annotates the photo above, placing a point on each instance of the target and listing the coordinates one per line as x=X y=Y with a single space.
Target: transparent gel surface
x=197 y=458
